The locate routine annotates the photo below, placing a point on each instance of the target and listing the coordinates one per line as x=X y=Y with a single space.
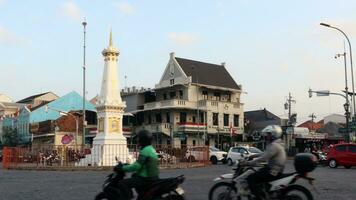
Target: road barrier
x=97 y=156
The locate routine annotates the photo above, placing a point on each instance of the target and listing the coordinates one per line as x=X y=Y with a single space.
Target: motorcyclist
x=275 y=156
x=145 y=168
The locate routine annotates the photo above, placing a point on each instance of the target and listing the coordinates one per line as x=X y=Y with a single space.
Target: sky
x=270 y=47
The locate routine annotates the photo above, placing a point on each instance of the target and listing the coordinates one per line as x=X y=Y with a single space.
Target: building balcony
x=216 y=105
x=191 y=127
x=173 y=103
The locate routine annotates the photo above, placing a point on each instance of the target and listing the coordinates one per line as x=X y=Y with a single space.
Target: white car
x=200 y=154
x=235 y=153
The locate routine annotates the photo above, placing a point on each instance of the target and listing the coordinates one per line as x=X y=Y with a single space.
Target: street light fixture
x=352 y=72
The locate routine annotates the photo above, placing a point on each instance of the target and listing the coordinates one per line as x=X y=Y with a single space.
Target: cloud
x=126 y=8
x=71 y=10
x=10 y=38
x=183 y=38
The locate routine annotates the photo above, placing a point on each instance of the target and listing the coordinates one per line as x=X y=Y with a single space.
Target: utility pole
x=347 y=104
x=312 y=116
x=288 y=106
x=84 y=91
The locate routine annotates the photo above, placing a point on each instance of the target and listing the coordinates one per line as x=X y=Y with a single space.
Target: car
x=216 y=155
x=198 y=153
x=342 y=155
x=235 y=153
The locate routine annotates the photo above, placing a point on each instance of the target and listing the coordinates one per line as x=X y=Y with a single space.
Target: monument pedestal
x=106 y=149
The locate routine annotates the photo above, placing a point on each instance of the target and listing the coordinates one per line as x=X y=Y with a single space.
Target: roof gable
x=31 y=98
x=207 y=73
x=173 y=71
x=66 y=103
x=260 y=115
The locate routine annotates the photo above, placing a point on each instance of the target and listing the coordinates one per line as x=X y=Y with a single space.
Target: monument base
x=107 y=151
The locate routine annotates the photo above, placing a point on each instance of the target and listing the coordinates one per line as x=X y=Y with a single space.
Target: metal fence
x=99 y=156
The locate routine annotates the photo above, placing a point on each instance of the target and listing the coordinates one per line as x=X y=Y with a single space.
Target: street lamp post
x=84 y=23
x=352 y=72
x=346 y=107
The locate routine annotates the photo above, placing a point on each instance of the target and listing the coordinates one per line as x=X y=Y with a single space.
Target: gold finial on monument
x=110 y=42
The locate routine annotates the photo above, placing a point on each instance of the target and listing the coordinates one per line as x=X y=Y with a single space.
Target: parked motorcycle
x=162 y=189
x=234 y=185
x=322 y=157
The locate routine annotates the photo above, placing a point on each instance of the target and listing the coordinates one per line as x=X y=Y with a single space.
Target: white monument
x=109 y=142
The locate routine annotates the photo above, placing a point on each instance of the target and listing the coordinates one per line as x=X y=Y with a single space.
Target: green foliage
x=11 y=138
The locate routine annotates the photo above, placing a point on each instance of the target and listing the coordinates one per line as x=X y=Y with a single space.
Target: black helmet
x=144 y=138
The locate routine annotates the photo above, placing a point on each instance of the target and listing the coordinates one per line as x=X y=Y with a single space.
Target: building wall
x=4 y=98
x=131 y=102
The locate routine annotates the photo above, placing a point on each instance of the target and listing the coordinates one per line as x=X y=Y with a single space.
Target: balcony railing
x=202 y=104
x=173 y=103
x=214 y=105
x=191 y=127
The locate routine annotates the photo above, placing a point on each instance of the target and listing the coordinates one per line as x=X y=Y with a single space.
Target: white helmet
x=275 y=130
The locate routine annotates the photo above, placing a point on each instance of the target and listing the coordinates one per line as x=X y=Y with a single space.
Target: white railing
x=176 y=103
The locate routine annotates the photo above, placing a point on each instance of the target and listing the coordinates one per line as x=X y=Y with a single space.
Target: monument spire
x=110 y=42
x=109 y=141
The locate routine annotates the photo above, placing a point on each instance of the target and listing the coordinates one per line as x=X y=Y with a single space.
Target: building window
x=226 y=119
x=180 y=94
x=172 y=95
x=201 y=117
x=168 y=118
x=228 y=96
x=172 y=81
x=236 y=120
x=164 y=96
x=216 y=96
x=158 y=118
x=149 y=119
x=183 y=117
x=215 y=119
x=205 y=95
x=193 y=119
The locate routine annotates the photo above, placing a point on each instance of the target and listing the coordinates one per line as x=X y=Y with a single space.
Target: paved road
x=49 y=185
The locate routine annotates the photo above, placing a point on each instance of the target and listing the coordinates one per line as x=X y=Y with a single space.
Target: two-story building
x=194 y=103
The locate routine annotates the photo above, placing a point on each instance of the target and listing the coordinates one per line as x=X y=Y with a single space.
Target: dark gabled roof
x=207 y=73
x=28 y=99
x=260 y=115
x=40 y=105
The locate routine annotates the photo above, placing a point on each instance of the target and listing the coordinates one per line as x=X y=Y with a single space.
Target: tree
x=11 y=137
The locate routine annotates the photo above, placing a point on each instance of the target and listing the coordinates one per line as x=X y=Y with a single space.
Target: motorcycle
x=322 y=157
x=162 y=189
x=234 y=185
